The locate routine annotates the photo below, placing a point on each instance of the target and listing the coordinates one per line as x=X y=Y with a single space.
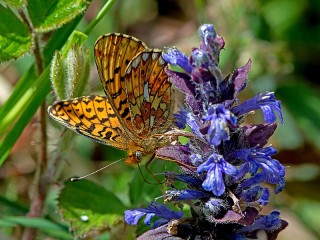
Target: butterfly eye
x=138 y=154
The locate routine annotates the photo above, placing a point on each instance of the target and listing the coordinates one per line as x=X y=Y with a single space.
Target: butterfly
x=138 y=105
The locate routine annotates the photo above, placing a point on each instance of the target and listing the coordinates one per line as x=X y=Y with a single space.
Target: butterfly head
x=134 y=158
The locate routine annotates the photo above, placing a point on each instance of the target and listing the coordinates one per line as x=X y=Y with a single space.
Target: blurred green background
x=282 y=37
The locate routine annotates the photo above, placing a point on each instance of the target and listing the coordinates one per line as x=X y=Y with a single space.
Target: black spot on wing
x=92 y=118
x=117 y=70
x=116 y=94
x=103 y=120
x=108 y=135
x=108 y=81
x=79 y=125
x=98 y=100
x=125 y=113
x=91 y=128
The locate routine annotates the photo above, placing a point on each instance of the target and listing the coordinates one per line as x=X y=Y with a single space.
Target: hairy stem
x=37 y=202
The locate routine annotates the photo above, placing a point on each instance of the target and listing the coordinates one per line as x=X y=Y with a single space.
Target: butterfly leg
x=149 y=170
x=188 y=167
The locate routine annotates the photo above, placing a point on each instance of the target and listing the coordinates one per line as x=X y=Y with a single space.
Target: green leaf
x=13 y=208
x=42 y=224
x=17 y=101
x=36 y=94
x=50 y=15
x=13 y=3
x=89 y=207
x=15 y=40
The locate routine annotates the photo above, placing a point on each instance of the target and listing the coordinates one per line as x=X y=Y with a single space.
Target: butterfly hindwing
x=149 y=93
x=91 y=116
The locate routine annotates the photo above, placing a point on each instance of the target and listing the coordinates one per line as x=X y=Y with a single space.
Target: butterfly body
x=138 y=104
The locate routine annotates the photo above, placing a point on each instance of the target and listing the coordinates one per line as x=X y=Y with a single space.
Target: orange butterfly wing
x=92 y=116
x=113 y=52
x=149 y=94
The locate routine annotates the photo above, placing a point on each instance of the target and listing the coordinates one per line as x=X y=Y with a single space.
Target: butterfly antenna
x=89 y=174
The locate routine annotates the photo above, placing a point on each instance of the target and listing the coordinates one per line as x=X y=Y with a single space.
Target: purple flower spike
x=224 y=163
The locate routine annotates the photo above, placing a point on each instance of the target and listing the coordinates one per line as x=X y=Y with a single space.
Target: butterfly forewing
x=149 y=94
x=113 y=52
x=91 y=116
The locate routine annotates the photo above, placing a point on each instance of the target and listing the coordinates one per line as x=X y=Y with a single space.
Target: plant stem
x=37 y=202
x=99 y=16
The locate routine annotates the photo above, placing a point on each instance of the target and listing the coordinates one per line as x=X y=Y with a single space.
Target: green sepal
x=78 y=67
x=58 y=75
x=70 y=68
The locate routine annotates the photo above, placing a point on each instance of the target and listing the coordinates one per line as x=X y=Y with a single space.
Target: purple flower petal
x=176 y=57
x=207 y=31
x=220 y=120
x=215 y=166
x=266 y=102
x=148 y=218
x=260 y=158
x=133 y=216
x=181 y=195
x=154 y=209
